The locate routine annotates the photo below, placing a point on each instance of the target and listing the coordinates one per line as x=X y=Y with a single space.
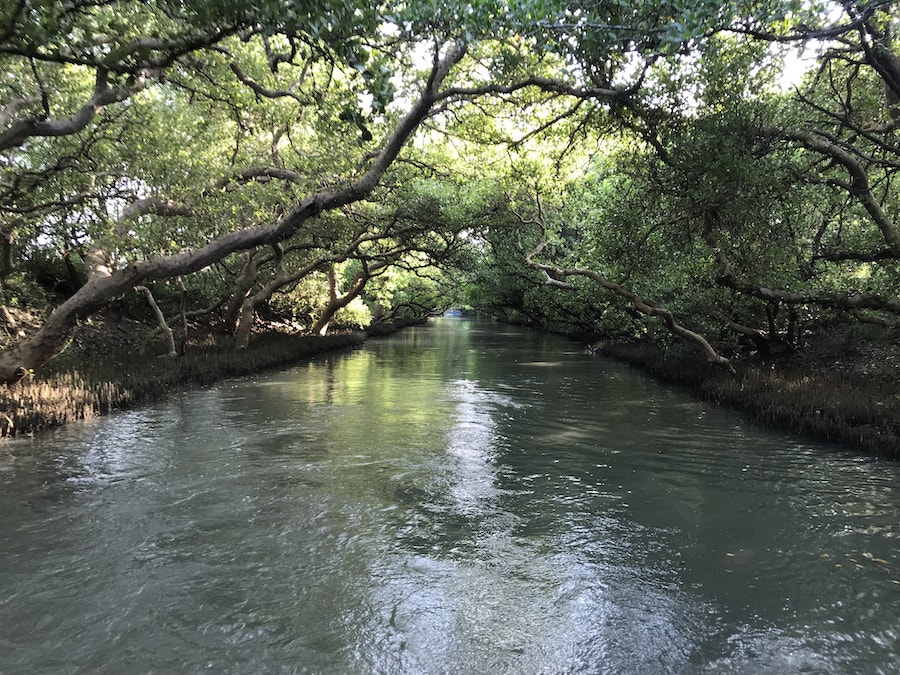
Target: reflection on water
x=472 y=445
x=462 y=498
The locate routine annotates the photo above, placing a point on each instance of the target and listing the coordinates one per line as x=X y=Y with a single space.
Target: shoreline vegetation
x=103 y=371
x=847 y=398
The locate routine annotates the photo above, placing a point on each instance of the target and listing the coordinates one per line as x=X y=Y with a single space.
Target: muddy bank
x=852 y=400
x=104 y=370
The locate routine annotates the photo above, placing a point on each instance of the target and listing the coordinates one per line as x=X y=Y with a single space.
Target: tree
x=131 y=54
x=720 y=198
x=146 y=142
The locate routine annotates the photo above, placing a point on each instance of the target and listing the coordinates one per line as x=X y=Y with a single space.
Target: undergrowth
x=76 y=388
x=851 y=408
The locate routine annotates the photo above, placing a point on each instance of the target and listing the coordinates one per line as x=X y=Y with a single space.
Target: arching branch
x=557 y=276
x=103 y=95
x=846 y=301
x=803 y=33
x=858 y=186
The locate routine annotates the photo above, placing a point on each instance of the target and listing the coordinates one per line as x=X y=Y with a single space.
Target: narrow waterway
x=460 y=498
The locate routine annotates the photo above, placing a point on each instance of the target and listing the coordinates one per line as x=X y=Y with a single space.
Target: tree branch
x=103 y=95
x=844 y=301
x=858 y=187
x=556 y=276
x=802 y=33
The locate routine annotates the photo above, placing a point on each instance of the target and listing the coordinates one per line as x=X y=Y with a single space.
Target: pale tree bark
x=56 y=331
x=139 y=60
x=97 y=258
x=242 y=287
x=252 y=302
x=845 y=301
x=858 y=185
x=182 y=312
x=103 y=95
x=6 y=268
x=161 y=322
x=245 y=322
x=336 y=301
x=283 y=278
x=242 y=301
x=183 y=316
x=320 y=327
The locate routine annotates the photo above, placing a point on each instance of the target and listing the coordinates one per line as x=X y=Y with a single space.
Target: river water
x=460 y=498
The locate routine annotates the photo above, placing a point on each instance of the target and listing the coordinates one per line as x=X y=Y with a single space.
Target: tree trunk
x=251 y=302
x=324 y=321
x=6 y=268
x=337 y=302
x=182 y=308
x=163 y=326
x=245 y=323
x=249 y=275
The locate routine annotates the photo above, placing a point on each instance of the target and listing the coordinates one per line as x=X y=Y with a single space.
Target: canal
x=463 y=497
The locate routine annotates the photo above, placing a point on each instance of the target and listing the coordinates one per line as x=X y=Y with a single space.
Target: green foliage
x=355 y=315
x=231 y=113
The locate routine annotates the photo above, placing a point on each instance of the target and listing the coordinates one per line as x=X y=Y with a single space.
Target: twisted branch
x=556 y=276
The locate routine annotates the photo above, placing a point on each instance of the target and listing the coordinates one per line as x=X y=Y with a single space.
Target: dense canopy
x=722 y=173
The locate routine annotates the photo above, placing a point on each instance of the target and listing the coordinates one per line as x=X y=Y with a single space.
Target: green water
x=461 y=498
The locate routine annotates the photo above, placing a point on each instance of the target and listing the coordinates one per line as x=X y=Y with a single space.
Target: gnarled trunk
x=337 y=302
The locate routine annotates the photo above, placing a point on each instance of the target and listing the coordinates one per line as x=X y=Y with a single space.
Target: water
x=461 y=498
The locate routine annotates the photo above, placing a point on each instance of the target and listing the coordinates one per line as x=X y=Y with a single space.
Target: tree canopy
x=594 y=166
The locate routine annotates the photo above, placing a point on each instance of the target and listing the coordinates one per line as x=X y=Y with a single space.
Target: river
x=462 y=497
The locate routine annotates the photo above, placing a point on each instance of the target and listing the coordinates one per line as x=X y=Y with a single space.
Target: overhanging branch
x=556 y=276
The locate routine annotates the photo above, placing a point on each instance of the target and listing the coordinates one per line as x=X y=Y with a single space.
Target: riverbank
x=847 y=397
x=104 y=370
x=829 y=393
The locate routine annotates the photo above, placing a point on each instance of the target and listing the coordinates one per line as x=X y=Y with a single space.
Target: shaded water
x=461 y=498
